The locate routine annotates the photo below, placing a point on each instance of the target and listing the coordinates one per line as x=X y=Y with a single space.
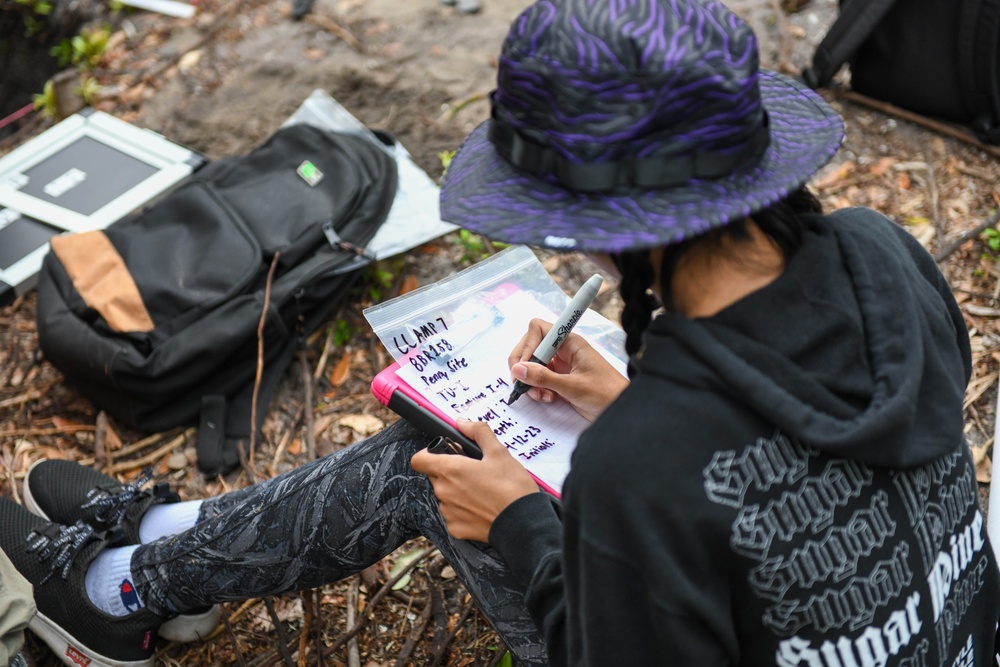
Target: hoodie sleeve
x=528 y=535
x=928 y=268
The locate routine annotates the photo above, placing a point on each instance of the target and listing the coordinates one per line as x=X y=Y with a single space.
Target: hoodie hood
x=857 y=348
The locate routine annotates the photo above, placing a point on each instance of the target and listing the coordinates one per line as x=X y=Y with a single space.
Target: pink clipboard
x=396 y=394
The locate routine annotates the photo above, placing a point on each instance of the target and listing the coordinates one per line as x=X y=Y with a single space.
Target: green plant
x=84 y=50
x=445 y=157
x=342 y=333
x=380 y=277
x=89 y=89
x=38 y=8
x=991 y=237
x=476 y=248
x=46 y=100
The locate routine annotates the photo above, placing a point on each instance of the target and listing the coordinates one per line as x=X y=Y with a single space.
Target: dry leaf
x=363 y=424
x=315 y=53
x=410 y=283
x=295 y=448
x=882 y=166
x=66 y=424
x=321 y=424
x=984 y=471
x=112 y=441
x=177 y=461
x=834 y=176
x=189 y=60
x=903 y=181
x=341 y=371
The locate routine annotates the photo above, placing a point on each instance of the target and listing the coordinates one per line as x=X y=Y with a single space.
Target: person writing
x=783 y=480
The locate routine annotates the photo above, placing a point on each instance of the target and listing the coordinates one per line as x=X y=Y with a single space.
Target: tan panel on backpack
x=100 y=276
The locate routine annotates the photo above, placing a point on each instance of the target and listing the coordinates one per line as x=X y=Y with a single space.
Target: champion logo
x=129 y=597
x=559 y=242
x=77 y=657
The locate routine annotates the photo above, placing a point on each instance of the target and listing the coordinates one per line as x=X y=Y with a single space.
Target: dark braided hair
x=782 y=223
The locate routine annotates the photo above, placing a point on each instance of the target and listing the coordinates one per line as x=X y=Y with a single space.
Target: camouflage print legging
x=318 y=524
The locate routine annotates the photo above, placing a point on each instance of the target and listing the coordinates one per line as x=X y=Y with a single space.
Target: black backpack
x=155 y=319
x=935 y=57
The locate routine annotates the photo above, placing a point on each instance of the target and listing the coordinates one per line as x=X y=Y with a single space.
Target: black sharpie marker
x=561 y=329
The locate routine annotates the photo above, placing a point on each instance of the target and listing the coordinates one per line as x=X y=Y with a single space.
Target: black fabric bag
x=155 y=319
x=935 y=57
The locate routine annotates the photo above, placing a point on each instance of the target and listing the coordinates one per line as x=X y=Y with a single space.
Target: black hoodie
x=784 y=483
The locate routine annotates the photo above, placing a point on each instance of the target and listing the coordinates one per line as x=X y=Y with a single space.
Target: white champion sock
x=109 y=582
x=168 y=519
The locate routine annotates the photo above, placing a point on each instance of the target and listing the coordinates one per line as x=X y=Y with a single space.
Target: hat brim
x=485 y=194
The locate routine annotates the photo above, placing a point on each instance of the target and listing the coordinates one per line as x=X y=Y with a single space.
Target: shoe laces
x=110 y=505
x=60 y=545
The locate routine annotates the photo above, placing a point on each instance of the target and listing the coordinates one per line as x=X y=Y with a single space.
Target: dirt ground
x=223 y=81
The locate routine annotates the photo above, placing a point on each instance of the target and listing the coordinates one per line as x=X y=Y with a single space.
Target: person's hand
x=473 y=492
x=578 y=372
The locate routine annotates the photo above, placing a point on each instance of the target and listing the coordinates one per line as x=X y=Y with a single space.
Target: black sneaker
x=67 y=492
x=55 y=558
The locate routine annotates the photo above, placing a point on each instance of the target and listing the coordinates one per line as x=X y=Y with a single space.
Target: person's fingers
x=429 y=464
x=539 y=377
x=526 y=347
x=482 y=434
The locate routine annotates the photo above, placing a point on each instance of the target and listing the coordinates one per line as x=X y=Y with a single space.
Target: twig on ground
x=285 y=439
x=317 y=615
x=235 y=616
x=454 y=109
x=282 y=635
x=403 y=658
x=307 y=618
x=353 y=652
x=954 y=245
x=327 y=348
x=382 y=592
x=23 y=398
x=100 y=448
x=260 y=365
x=220 y=23
x=35 y=432
x=929 y=123
x=140 y=445
x=236 y=643
x=447 y=639
x=935 y=205
x=149 y=459
x=501 y=652
x=307 y=405
x=328 y=24
x=8 y=468
x=438 y=611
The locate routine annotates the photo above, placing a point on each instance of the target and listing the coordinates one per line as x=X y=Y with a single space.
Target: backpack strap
x=216 y=456
x=855 y=22
x=979 y=65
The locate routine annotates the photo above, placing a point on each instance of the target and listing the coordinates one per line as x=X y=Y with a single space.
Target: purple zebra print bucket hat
x=626 y=124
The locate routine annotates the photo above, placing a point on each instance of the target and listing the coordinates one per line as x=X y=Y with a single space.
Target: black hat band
x=647 y=173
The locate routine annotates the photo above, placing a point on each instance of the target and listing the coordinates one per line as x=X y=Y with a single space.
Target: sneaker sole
x=74 y=653
x=183 y=628
x=29 y=500
x=191 y=627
